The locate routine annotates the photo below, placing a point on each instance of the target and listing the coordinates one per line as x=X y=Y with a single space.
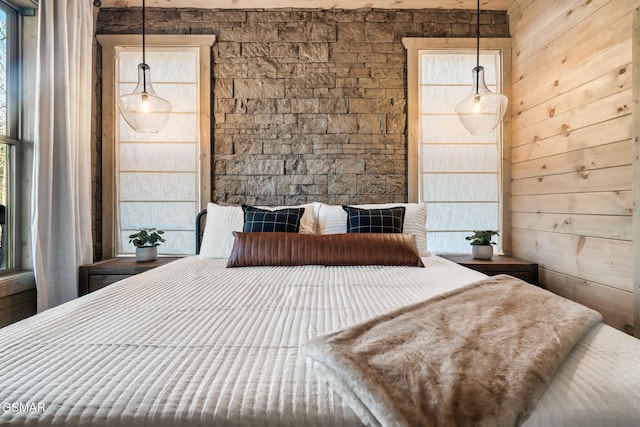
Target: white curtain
x=61 y=217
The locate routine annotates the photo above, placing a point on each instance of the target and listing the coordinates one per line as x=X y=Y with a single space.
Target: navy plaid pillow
x=256 y=219
x=388 y=220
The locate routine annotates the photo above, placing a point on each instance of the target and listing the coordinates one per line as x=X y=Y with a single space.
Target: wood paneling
x=616 y=312
x=600 y=203
x=613 y=63
x=589 y=136
x=563 y=28
x=582 y=115
x=573 y=149
x=575 y=57
x=613 y=81
x=599 y=157
x=17 y=297
x=524 y=17
x=604 y=261
x=17 y=306
x=636 y=162
x=580 y=181
x=606 y=226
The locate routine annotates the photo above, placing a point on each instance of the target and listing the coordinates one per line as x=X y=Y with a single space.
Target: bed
x=196 y=343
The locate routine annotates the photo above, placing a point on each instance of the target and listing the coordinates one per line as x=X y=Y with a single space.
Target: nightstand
x=103 y=273
x=499 y=264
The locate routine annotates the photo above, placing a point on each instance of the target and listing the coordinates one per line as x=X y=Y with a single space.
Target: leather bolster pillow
x=279 y=249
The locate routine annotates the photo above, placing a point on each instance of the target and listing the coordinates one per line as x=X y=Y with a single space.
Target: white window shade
x=460 y=176
x=158 y=175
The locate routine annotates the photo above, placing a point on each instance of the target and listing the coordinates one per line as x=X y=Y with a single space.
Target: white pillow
x=222 y=221
x=332 y=219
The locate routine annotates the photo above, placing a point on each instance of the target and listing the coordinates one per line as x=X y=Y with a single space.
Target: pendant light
x=482 y=110
x=143 y=109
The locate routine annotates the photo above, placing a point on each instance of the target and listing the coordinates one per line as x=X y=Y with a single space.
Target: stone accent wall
x=308 y=105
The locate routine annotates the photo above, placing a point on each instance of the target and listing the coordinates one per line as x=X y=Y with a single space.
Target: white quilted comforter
x=192 y=343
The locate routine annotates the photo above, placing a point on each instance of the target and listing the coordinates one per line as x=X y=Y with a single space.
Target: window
x=157 y=175
x=9 y=134
x=457 y=175
x=156 y=180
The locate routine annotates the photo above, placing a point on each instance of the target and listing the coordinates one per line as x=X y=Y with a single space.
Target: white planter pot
x=482 y=251
x=146 y=253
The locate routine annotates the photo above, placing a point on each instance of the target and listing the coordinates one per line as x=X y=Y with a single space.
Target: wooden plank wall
x=17 y=306
x=17 y=297
x=572 y=149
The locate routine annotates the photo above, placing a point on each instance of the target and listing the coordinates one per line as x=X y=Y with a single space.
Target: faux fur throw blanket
x=480 y=355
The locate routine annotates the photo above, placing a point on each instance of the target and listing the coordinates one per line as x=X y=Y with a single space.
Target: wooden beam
x=316 y=4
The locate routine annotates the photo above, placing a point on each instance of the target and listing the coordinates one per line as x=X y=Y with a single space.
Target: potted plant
x=146 y=241
x=481 y=243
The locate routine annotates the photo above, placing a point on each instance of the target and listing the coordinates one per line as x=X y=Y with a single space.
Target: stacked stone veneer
x=308 y=105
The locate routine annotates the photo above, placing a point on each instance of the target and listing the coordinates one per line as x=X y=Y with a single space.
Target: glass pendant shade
x=143 y=109
x=482 y=110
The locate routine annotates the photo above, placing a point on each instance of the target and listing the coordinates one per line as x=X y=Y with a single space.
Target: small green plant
x=482 y=237
x=147 y=237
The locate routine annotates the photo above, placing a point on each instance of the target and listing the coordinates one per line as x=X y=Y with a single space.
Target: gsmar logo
x=23 y=407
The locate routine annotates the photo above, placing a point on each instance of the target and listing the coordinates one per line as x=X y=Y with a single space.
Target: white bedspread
x=193 y=343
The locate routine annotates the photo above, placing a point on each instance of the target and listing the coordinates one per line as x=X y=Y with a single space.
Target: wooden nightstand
x=499 y=264
x=102 y=273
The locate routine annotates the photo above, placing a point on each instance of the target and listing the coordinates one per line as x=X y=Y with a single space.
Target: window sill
x=17 y=282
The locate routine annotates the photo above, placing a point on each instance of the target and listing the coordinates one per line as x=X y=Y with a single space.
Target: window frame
x=13 y=137
x=414 y=45
x=109 y=43
x=13 y=83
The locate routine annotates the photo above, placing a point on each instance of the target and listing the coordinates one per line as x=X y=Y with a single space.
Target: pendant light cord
x=477 y=48
x=144 y=60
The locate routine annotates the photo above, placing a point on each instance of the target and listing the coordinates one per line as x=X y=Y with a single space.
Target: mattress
x=193 y=343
